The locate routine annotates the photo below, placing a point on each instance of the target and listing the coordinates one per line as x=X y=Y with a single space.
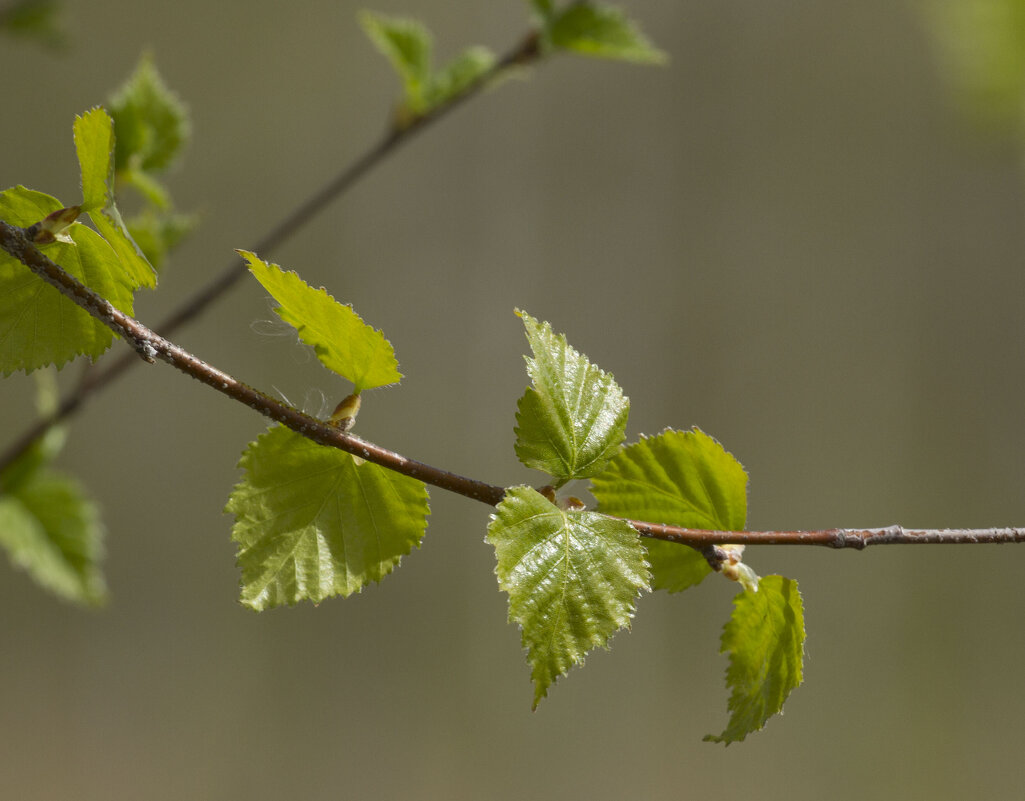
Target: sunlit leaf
x=94 y=142
x=342 y=341
x=572 y=421
x=573 y=578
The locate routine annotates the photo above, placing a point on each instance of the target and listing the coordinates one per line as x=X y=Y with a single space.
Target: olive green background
x=786 y=237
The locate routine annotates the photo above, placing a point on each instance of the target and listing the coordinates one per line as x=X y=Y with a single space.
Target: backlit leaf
x=342 y=341
x=38 y=325
x=312 y=522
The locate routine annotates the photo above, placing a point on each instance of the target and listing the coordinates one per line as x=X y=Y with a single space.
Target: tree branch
x=151 y=346
x=523 y=54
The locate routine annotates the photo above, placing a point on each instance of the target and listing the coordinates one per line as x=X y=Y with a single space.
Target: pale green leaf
x=407 y=44
x=51 y=529
x=572 y=421
x=38 y=325
x=458 y=75
x=681 y=478
x=596 y=29
x=151 y=122
x=573 y=578
x=342 y=341
x=94 y=143
x=765 y=641
x=312 y=522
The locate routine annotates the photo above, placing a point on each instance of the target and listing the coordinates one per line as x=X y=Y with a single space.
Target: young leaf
x=596 y=29
x=342 y=341
x=94 y=142
x=573 y=578
x=50 y=529
x=151 y=123
x=407 y=45
x=765 y=640
x=682 y=478
x=458 y=75
x=38 y=325
x=572 y=421
x=313 y=522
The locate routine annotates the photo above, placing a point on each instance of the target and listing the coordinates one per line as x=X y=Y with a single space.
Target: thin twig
x=150 y=346
x=525 y=53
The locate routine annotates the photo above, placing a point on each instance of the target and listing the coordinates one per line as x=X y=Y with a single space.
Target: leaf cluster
x=313 y=522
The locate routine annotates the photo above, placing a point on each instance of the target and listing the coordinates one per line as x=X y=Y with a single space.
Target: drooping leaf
x=52 y=530
x=597 y=29
x=573 y=578
x=407 y=44
x=765 y=641
x=342 y=341
x=94 y=142
x=312 y=522
x=151 y=122
x=681 y=478
x=38 y=325
x=572 y=421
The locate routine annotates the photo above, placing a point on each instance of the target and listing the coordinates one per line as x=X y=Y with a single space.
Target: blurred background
x=803 y=235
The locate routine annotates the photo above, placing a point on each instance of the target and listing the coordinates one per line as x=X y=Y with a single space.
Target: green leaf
x=151 y=123
x=682 y=478
x=596 y=29
x=458 y=75
x=158 y=233
x=51 y=529
x=572 y=421
x=342 y=341
x=765 y=641
x=573 y=578
x=34 y=19
x=94 y=143
x=38 y=325
x=312 y=522
x=407 y=45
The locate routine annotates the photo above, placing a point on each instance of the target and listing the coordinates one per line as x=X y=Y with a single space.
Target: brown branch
x=525 y=53
x=151 y=346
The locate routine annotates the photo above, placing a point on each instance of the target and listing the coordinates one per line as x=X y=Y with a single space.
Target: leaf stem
x=151 y=347
x=523 y=54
